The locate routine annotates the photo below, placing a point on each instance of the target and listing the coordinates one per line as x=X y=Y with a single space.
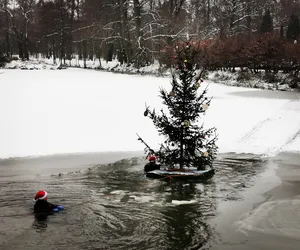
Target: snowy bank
x=237 y=78
x=248 y=80
x=114 y=66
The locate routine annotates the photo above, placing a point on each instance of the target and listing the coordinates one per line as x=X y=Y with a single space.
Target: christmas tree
x=186 y=143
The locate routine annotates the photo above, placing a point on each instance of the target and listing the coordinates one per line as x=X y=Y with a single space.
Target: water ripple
x=116 y=207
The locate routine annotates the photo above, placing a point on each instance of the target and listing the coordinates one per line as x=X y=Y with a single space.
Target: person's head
x=152 y=158
x=41 y=195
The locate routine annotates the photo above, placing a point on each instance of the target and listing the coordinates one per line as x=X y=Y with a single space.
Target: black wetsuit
x=151 y=166
x=42 y=206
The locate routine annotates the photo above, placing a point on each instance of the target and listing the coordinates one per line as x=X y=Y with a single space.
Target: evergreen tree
x=187 y=144
x=267 y=23
x=293 y=29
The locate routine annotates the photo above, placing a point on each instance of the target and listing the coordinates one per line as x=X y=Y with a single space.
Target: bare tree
x=26 y=8
x=5 y=10
x=131 y=31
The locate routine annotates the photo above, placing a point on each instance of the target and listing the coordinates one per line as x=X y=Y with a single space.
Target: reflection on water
x=40 y=222
x=116 y=207
x=186 y=226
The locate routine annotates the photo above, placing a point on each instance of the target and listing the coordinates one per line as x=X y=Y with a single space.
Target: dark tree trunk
x=84 y=44
x=20 y=47
x=7 y=37
x=138 y=33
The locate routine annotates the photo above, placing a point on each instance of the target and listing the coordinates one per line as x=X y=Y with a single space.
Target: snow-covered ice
x=74 y=110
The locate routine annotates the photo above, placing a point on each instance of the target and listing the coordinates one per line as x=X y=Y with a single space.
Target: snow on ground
x=29 y=65
x=74 y=110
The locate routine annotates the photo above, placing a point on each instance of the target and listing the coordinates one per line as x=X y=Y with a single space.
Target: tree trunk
x=138 y=33
x=20 y=47
x=233 y=16
x=84 y=43
x=26 y=54
x=181 y=148
x=128 y=48
x=182 y=128
x=70 y=36
x=208 y=13
x=53 y=51
x=62 y=32
x=110 y=52
x=7 y=38
x=123 y=42
x=120 y=40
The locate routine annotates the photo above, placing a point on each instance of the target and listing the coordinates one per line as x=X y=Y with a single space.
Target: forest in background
x=250 y=34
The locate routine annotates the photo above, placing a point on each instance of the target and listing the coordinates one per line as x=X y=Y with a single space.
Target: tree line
x=231 y=33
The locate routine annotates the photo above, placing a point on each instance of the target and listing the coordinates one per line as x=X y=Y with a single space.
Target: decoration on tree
x=189 y=146
x=146 y=112
x=186 y=123
x=172 y=93
x=205 y=106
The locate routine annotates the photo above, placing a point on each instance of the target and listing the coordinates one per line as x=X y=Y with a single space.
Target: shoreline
x=226 y=78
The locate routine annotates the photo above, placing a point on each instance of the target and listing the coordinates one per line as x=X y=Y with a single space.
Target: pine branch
x=147 y=150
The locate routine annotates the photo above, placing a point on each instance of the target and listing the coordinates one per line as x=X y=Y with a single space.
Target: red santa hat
x=152 y=158
x=40 y=195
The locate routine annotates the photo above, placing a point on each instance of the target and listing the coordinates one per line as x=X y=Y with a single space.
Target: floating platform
x=181 y=174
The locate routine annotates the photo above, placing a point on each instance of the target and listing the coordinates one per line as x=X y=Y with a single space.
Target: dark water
x=115 y=206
